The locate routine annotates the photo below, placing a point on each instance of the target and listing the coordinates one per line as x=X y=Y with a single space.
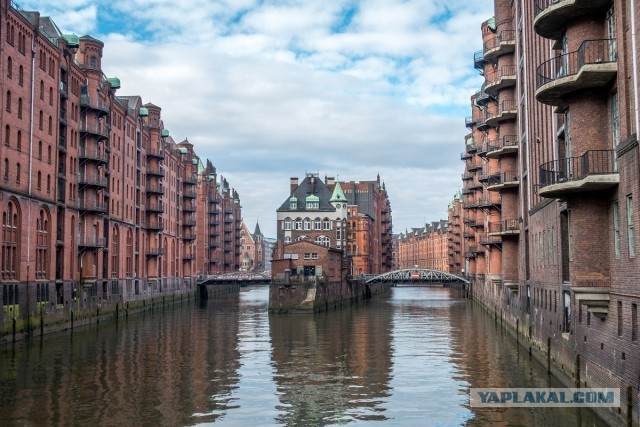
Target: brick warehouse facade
x=550 y=187
x=100 y=206
x=425 y=247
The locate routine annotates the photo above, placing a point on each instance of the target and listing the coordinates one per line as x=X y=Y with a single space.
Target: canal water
x=406 y=358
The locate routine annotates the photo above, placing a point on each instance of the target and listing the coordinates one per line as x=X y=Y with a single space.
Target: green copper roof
x=201 y=168
x=338 y=194
x=72 y=40
x=165 y=133
x=459 y=195
x=114 y=82
x=312 y=198
x=143 y=112
x=491 y=23
x=293 y=199
x=182 y=150
x=470 y=141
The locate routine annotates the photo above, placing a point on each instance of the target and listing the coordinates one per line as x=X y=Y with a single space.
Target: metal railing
x=94 y=129
x=593 y=162
x=541 y=5
x=495 y=75
x=590 y=52
x=503 y=178
x=502 y=37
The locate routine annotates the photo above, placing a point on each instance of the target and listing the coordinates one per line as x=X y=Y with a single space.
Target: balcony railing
x=154 y=187
x=502 y=43
x=155 y=152
x=95 y=104
x=92 y=179
x=92 y=242
x=92 y=206
x=478 y=60
x=594 y=64
x=506 y=145
x=504 y=179
x=92 y=154
x=500 y=78
x=94 y=129
x=155 y=252
x=552 y=16
x=505 y=227
x=594 y=170
x=506 y=110
x=469 y=122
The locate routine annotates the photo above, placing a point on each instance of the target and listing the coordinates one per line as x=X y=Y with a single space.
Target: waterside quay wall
x=312 y=297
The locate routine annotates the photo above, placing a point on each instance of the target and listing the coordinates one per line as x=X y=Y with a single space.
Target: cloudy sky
x=272 y=89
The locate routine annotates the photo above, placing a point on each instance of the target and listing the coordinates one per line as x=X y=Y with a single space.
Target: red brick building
x=99 y=203
x=551 y=186
x=456 y=241
x=252 y=254
x=425 y=247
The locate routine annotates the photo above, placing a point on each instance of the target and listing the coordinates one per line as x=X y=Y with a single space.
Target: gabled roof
x=257 y=231
x=311 y=185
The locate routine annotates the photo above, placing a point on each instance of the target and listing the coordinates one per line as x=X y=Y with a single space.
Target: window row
x=307 y=224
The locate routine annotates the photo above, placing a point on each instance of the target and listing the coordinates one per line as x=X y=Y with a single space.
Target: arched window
x=287 y=222
x=48 y=183
x=21 y=75
x=18 y=173
x=19 y=141
x=307 y=224
x=6 y=168
x=50 y=96
x=318 y=224
x=49 y=154
x=9 y=67
x=42 y=90
x=41 y=120
x=42 y=244
x=8 y=101
x=7 y=135
x=50 y=126
x=322 y=240
x=39 y=180
x=326 y=224
x=10 y=234
x=39 y=150
x=19 y=108
x=115 y=253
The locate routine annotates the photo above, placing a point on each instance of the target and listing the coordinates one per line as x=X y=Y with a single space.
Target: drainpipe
x=30 y=180
x=635 y=65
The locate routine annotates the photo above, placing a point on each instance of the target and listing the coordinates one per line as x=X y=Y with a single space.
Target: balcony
x=488 y=239
x=102 y=108
x=474 y=165
x=489 y=202
x=188 y=257
x=157 y=207
x=506 y=145
x=190 y=180
x=188 y=208
x=478 y=61
x=470 y=204
x=482 y=98
x=595 y=170
x=552 y=16
x=189 y=194
x=92 y=206
x=469 y=122
x=157 y=153
x=92 y=179
x=506 y=110
x=507 y=227
x=500 y=78
x=155 y=252
x=467 y=176
x=189 y=237
x=154 y=188
x=155 y=170
x=154 y=226
x=593 y=65
x=469 y=234
x=91 y=242
x=93 y=155
x=101 y=132
x=503 y=180
x=502 y=43
x=189 y=223
x=487 y=174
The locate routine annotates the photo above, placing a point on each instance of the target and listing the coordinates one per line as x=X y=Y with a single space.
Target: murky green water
x=406 y=358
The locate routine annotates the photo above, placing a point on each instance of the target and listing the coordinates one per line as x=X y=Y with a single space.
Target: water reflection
x=332 y=367
x=406 y=358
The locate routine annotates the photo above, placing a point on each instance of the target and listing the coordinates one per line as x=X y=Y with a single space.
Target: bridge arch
x=424 y=275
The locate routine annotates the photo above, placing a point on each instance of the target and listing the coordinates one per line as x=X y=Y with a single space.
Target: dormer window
x=312 y=203
x=293 y=203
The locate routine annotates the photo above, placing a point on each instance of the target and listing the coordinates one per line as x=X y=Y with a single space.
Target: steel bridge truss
x=422 y=275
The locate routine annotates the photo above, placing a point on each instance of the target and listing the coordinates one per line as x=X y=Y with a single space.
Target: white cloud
x=267 y=90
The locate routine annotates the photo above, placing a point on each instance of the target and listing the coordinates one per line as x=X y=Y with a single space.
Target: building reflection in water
x=151 y=369
x=334 y=367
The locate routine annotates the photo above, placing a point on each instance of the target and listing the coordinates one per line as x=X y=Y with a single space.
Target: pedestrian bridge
x=236 y=277
x=414 y=275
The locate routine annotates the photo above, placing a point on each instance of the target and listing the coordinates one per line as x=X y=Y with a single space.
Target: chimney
x=294 y=184
x=330 y=181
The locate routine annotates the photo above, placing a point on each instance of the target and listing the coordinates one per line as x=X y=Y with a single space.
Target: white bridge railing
x=422 y=275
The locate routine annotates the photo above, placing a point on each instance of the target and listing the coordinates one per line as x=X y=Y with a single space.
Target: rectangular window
x=619 y=318
x=634 y=322
x=616 y=229
x=314 y=256
x=630 y=233
x=307 y=255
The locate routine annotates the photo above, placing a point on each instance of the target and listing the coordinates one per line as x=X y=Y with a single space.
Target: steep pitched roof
x=257 y=231
x=311 y=185
x=338 y=194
